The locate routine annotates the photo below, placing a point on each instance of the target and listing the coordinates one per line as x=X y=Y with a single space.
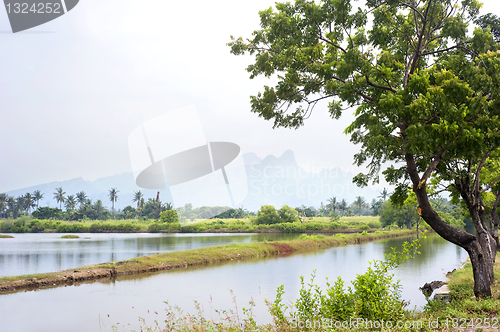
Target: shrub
x=314 y=226
x=175 y=226
x=36 y=227
x=374 y=295
x=49 y=224
x=6 y=226
x=267 y=215
x=295 y=227
x=288 y=214
x=375 y=224
x=127 y=228
x=363 y=227
x=154 y=228
x=334 y=225
x=304 y=237
x=72 y=228
x=191 y=229
x=169 y=216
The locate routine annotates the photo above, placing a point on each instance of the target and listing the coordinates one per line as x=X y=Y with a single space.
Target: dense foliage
x=425 y=89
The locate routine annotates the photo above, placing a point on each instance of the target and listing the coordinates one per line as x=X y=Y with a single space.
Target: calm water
x=86 y=307
x=36 y=253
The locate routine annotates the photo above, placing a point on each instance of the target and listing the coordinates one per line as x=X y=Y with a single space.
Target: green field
x=312 y=224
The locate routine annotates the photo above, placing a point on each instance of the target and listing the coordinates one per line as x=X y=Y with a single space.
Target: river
x=101 y=305
x=48 y=252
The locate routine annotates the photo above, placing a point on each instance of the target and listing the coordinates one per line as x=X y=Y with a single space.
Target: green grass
x=70 y=236
x=313 y=224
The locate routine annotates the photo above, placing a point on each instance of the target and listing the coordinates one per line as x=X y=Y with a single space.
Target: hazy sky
x=72 y=90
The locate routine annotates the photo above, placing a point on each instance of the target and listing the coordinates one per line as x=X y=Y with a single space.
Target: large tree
x=425 y=90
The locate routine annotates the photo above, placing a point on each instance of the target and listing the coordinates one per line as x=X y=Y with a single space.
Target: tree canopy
x=423 y=83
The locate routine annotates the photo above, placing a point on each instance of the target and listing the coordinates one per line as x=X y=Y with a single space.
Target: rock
x=428 y=288
x=443 y=294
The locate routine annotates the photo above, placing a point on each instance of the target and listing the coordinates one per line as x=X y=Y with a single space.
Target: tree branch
x=415 y=10
x=379 y=86
x=333 y=44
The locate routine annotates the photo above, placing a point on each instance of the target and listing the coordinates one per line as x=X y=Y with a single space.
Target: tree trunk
x=472 y=198
x=481 y=265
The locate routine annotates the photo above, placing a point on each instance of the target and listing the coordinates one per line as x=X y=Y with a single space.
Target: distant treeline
x=79 y=207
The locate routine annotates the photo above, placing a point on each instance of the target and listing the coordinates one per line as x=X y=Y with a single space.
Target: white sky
x=73 y=89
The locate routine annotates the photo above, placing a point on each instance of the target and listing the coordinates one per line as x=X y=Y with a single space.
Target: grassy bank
x=184 y=259
x=313 y=224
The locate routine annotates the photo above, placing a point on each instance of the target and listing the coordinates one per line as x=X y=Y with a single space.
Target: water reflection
x=36 y=253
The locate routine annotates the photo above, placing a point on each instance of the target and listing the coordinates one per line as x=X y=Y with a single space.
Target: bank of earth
x=188 y=258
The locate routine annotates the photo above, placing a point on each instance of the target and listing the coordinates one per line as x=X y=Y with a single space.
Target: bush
x=267 y=215
x=174 y=226
x=315 y=226
x=375 y=224
x=47 y=213
x=374 y=296
x=334 y=225
x=49 y=224
x=363 y=227
x=36 y=227
x=154 y=228
x=191 y=229
x=127 y=228
x=169 y=216
x=288 y=214
x=72 y=228
x=295 y=227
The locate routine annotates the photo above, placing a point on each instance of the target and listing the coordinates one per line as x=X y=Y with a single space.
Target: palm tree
x=70 y=203
x=59 y=196
x=98 y=208
x=343 y=206
x=28 y=202
x=20 y=205
x=11 y=205
x=113 y=197
x=37 y=196
x=137 y=197
x=332 y=204
x=360 y=203
x=3 y=203
x=81 y=197
x=383 y=194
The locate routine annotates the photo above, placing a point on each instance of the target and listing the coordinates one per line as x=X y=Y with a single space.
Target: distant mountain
x=280 y=180
x=271 y=181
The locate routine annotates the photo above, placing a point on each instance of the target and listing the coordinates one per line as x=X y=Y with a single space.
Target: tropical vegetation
x=426 y=94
